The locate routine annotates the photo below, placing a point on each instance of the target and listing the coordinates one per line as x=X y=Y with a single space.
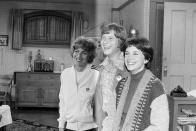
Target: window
x=47 y=28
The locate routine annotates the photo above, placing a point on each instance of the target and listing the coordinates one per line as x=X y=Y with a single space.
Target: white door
x=179 y=46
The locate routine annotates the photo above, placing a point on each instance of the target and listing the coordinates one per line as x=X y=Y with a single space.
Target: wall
x=137 y=14
x=118 y=3
x=103 y=13
x=13 y=60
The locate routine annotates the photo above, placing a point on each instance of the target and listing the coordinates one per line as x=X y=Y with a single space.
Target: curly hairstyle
x=141 y=44
x=119 y=31
x=86 y=44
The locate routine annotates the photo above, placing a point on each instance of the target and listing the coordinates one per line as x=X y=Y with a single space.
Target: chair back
x=5 y=87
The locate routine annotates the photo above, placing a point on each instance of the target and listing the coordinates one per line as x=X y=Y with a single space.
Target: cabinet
x=47 y=28
x=176 y=104
x=37 y=89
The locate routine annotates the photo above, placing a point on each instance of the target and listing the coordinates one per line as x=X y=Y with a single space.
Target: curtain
x=77 y=25
x=17 y=30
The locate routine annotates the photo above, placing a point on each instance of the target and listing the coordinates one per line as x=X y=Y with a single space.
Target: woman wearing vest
x=142 y=104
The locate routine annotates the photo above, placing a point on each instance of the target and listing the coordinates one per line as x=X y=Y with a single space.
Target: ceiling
x=58 y=1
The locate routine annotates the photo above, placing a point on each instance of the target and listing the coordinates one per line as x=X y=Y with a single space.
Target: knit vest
x=152 y=90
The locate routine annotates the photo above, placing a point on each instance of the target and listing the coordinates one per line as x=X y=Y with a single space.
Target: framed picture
x=3 y=40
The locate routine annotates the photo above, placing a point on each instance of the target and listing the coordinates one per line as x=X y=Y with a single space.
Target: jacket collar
x=118 y=63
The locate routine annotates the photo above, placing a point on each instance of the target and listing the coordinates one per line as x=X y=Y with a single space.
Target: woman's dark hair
x=119 y=31
x=86 y=44
x=141 y=44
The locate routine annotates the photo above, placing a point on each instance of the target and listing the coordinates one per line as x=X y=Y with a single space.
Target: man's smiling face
x=109 y=43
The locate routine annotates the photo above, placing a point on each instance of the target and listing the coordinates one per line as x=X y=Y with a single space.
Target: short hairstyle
x=141 y=44
x=119 y=31
x=86 y=44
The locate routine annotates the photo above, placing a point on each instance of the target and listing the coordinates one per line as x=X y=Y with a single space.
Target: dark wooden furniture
x=3 y=128
x=37 y=89
x=176 y=104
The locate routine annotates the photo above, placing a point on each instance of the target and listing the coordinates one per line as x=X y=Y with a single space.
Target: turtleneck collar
x=138 y=75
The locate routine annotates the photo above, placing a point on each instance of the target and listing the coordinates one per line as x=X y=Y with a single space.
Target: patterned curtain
x=17 y=31
x=77 y=25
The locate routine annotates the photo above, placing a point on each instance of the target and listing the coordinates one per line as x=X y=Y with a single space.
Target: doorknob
x=165 y=71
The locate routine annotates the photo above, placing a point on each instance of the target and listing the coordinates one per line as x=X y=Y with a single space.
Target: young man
x=112 y=38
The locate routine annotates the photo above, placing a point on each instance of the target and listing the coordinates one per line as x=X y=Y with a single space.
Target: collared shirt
x=107 y=80
x=76 y=94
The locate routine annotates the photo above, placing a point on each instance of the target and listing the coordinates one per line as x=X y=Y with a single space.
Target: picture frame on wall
x=3 y=40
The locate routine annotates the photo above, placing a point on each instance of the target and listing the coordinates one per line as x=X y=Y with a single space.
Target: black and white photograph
x=97 y=65
x=3 y=40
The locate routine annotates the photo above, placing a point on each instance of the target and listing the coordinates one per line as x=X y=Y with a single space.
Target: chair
x=5 y=88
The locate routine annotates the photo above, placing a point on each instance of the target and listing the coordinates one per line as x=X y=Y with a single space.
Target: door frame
x=156 y=32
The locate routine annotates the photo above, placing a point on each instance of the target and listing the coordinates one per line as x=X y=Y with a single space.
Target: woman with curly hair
x=78 y=85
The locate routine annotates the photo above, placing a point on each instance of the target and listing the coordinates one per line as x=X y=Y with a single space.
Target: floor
x=45 y=116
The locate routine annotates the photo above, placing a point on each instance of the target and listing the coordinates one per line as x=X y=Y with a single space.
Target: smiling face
x=109 y=43
x=134 y=60
x=80 y=57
